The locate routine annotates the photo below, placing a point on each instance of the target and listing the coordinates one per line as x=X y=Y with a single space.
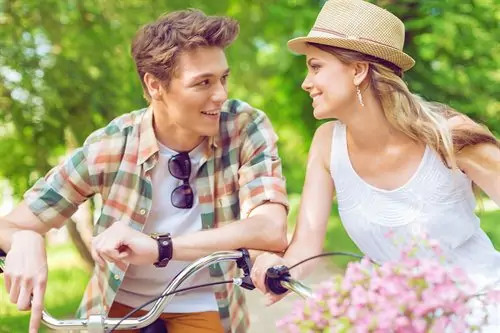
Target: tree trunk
x=82 y=247
x=81 y=224
x=80 y=230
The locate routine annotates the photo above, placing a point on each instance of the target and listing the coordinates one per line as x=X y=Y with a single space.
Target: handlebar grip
x=2 y=260
x=274 y=276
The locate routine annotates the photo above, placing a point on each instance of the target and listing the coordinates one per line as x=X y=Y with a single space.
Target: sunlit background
x=66 y=70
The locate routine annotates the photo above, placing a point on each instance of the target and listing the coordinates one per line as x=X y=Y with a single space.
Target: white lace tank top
x=435 y=200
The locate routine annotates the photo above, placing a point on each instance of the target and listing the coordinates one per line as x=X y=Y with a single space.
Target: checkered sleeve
x=56 y=197
x=260 y=172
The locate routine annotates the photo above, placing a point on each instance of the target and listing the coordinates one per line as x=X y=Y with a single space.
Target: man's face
x=194 y=98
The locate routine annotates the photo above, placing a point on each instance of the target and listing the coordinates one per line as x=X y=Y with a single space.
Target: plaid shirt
x=240 y=170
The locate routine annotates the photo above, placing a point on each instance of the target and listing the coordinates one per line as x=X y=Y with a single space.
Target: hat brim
x=402 y=60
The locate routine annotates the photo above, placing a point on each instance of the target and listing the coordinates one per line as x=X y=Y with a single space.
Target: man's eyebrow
x=207 y=75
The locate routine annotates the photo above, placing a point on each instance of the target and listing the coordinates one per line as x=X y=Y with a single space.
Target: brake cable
x=243 y=263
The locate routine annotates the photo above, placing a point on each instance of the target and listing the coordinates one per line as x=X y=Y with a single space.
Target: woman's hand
x=258 y=274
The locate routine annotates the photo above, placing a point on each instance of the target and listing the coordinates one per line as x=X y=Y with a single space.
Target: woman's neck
x=368 y=127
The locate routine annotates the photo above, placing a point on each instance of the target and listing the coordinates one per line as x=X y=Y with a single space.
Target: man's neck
x=177 y=140
x=173 y=136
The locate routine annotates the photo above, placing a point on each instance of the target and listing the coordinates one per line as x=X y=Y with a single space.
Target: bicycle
x=278 y=280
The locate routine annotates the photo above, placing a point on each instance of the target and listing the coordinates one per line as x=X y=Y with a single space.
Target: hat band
x=340 y=34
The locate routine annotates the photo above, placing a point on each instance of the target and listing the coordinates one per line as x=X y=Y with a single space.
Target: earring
x=360 y=97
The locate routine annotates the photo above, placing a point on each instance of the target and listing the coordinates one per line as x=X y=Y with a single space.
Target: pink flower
x=494 y=295
x=411 y=295
x=401 y=322
x=419 y=325
x=440 y=324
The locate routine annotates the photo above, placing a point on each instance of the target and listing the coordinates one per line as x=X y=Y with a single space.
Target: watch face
x=156 y=235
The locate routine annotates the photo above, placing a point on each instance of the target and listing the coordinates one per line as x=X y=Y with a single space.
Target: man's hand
x=121 y=243
x=26 y=274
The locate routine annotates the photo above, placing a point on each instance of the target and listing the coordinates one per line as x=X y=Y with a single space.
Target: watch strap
x=165 y=249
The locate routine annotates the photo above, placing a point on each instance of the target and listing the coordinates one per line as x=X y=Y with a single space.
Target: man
x=184 y=168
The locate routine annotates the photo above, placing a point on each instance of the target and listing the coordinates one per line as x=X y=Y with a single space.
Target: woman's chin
x=319 y=114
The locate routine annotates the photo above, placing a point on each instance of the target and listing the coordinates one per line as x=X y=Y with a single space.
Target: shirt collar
x=147 y=138
x=148 y=145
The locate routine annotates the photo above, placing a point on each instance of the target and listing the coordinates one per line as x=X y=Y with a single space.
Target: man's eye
x=204 y=83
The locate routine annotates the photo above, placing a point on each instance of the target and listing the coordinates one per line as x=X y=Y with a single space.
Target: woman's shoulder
x=325 y=130
x=323 y=139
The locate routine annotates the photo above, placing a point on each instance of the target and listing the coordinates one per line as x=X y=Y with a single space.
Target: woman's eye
x=315 y=68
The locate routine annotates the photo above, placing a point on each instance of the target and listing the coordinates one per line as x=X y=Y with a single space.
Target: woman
x=395 y=162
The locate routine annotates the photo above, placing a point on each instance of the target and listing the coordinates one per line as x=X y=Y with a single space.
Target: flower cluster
x=410 y=295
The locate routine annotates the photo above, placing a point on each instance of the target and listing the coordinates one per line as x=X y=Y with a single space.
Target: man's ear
x=154 y=86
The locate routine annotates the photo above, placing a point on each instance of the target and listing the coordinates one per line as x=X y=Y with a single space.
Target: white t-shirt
x=143 y=283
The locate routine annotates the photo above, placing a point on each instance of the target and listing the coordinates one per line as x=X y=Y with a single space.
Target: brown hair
x=156 y=46
x=421 y=120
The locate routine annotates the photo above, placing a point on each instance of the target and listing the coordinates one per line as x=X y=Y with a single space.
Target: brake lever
x=245 y=264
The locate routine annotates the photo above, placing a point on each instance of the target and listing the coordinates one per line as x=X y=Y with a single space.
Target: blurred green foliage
x=66 y=69
x=67 y=279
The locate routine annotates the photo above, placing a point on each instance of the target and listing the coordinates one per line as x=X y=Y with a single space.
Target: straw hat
x=360 y=26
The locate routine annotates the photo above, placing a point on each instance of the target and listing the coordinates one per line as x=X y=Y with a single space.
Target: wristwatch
x=165 y=248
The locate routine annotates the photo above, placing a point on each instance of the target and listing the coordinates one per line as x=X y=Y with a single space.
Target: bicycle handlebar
x=278 y=280
x=97 y=324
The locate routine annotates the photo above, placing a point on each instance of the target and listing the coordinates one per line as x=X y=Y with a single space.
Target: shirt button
x=117 y=277
x=142 y=211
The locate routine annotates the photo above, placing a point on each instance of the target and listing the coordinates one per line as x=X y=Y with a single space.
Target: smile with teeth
x=314 y=98
x=213 y=113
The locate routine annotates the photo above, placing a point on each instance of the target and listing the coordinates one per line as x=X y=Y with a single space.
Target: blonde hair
x=421 y=120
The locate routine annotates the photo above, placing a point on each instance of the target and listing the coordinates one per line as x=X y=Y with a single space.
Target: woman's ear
x=360 y=72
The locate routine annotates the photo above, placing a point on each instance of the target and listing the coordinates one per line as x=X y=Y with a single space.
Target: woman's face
x=330 y=83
